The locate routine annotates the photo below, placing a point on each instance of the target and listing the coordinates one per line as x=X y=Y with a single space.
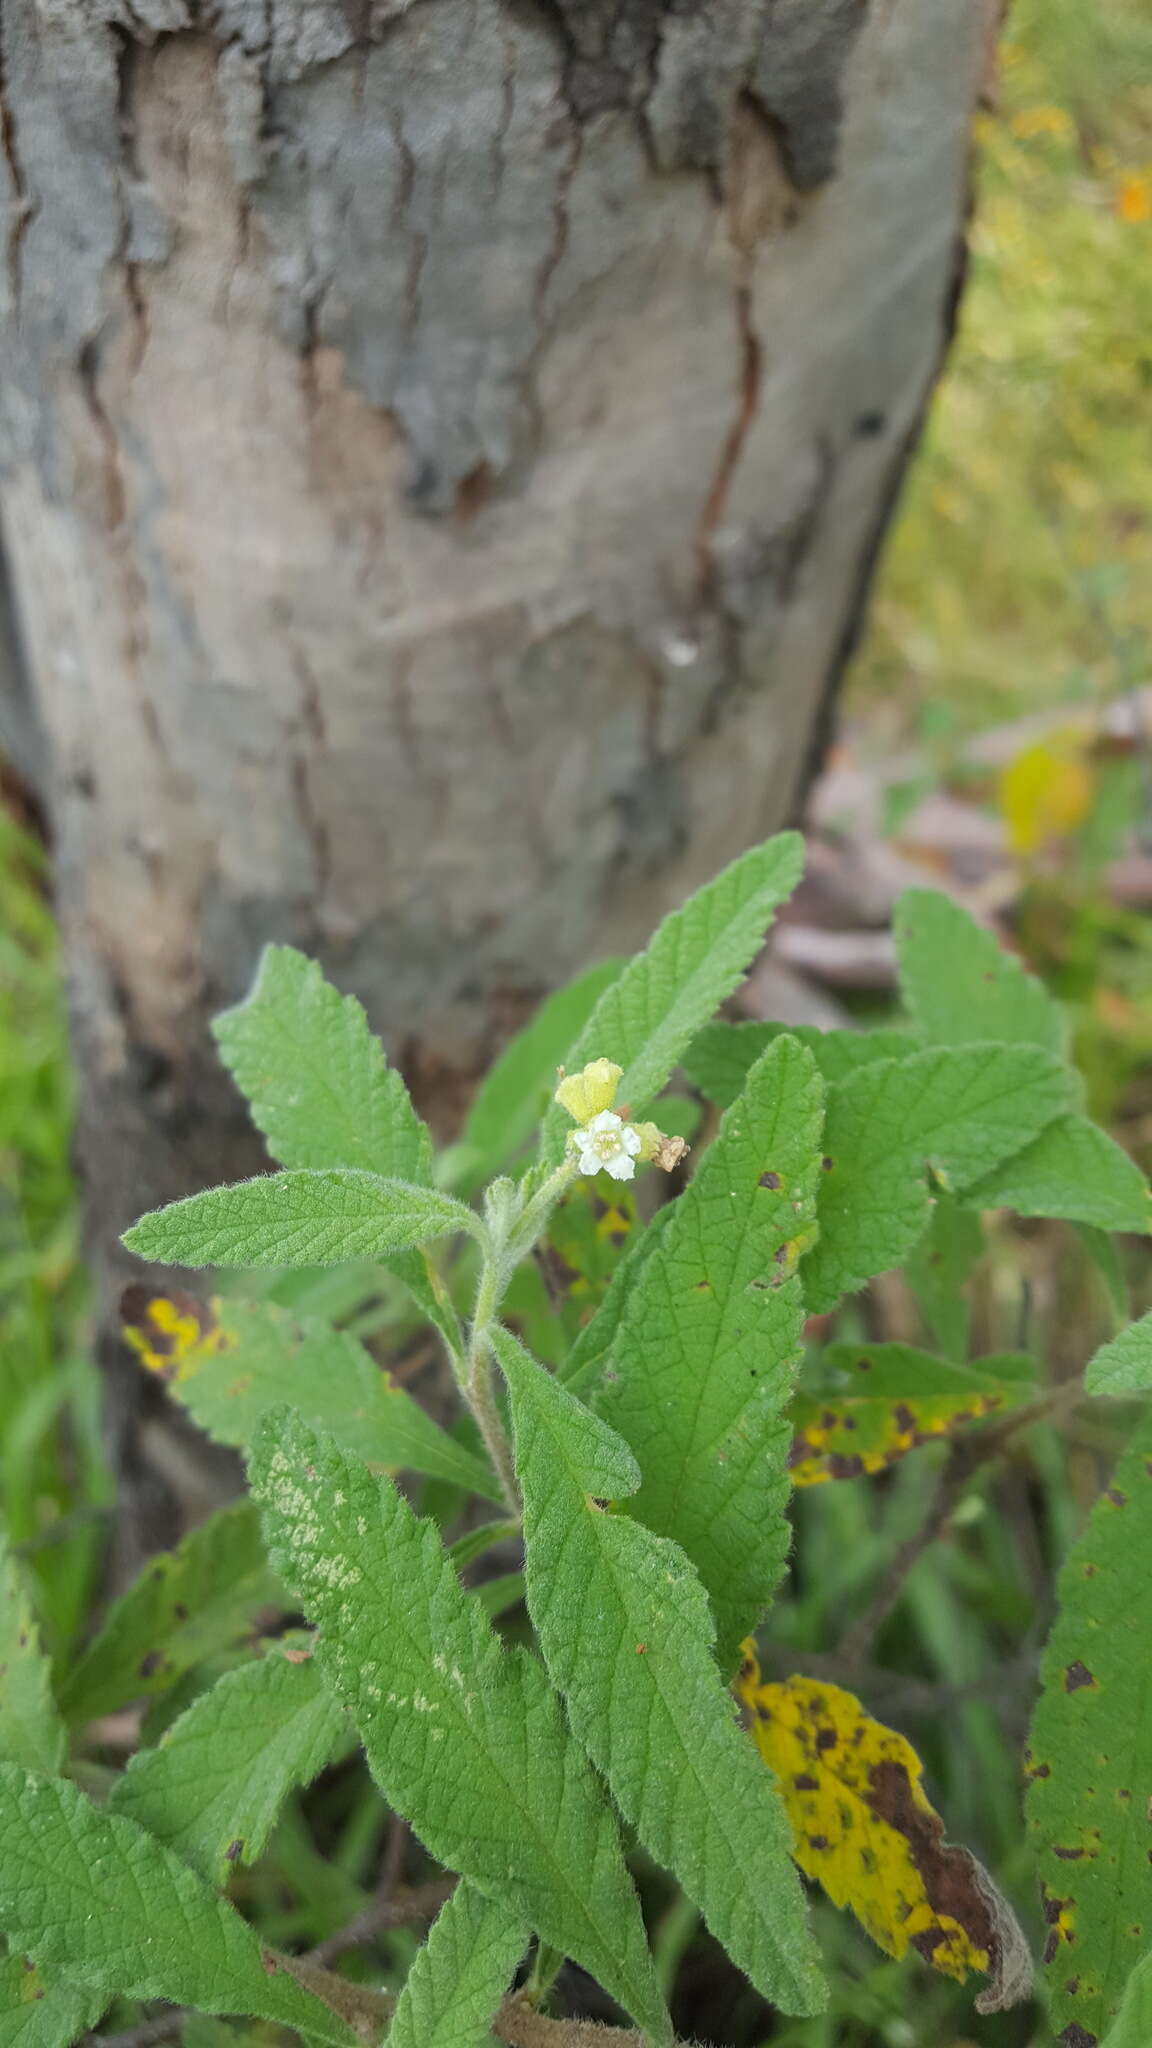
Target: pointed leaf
x=213 y=1789
x=960 y=984
x=92 y=1895
x=879 y=1401
x=1090 y=1757
x=186 y=1604
x=720 y=1057
x=626 y=1632
x=458 y=1979
x=695 y=959
x=31 y=1731
x=317 y=1082
x=230 y=1362
x=1125 y=1365
x=863 y=1829
x=298 y=1219
x=958 y=1109
x=465 y=1738
x=1075 y=1170
x=706 y=1355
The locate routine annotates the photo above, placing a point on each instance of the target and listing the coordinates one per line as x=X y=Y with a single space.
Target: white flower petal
x=623 y=1167
x=631 y=1140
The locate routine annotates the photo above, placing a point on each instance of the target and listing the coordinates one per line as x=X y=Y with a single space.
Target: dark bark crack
x=22 y=211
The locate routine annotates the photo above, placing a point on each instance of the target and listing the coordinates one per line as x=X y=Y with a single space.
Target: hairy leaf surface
x=720 y=1057
x=880 y=1401
x=43 y=2012
x=1075 y=1170
x=214 y=1786
x=91 y=1895
x=626 y=1632
x=652 y=1012
x=230 y=1362
x=458 y=1979
x=705 y=1357
x=1125 y=1365
x=317 y=1082
x=186 y=1604
x=31 y=1731
x=465 y=1738
x=1090 y=1757
x=960 y=1110
x=961 y=985
x=864 y=1829
x=302 y=1218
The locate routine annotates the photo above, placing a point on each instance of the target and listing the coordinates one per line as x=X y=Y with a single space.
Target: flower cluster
x=603 y=1141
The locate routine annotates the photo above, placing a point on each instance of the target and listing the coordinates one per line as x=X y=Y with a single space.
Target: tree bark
x=444 y=448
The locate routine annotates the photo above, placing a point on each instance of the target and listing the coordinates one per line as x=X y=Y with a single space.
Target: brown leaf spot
x=151 y=1663
x=1076 y=2036
x=1076 y=1676
x=234 y=1849
x=826 y=1163
x=770 y=1180
x=948 y=1873
x=1068 y=1855
x=804 y=1782
x=1118 y=1499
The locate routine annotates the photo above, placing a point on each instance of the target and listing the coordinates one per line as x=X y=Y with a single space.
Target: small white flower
x=608 y=1145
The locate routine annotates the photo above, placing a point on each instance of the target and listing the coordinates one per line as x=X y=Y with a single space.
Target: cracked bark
x=442 y=449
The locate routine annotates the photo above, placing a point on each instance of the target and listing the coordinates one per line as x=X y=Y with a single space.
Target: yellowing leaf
x=880 y=1401
x=587 y=1237
x=173 y=1334
x=1132 y=199
x=863 y=1828
x=1045 y=792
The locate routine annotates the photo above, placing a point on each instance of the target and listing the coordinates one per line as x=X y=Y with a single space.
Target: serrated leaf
x=880 y=1401
x=516 y=1091
x=626 y=1631
x=720 y=1057
x=186 y=1604
x=31 y=1731
x=704 y=1361
x=1074 y=1170
x=695 y=959
x=458 y=1979
x=958 y=1109
x=465 y=1738
x=937 y=1268
x=92 y=1895
x=229 y=1362
x=317 y=1082
x=961 y=986
x=1125 y=1365
x=298 y=1219
x=1090 y=1756
x=863 y=1828
x=40 y=2012
x=213 y=1788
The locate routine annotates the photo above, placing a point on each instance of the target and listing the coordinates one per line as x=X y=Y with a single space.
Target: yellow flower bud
x=588 y=1094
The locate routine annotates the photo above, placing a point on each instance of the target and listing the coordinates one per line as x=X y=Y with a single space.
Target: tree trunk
x=445 y=444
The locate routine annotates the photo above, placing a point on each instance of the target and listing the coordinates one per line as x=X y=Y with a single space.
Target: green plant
x=634 y=1401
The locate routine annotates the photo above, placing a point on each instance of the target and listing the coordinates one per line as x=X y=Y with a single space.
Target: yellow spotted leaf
x=863 y=1828
x=876 y=1402
x=587 y=1238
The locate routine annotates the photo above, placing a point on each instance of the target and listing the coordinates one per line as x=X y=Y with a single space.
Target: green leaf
x=937 y=1268
x=1090 y=1757
x=40 y=2013
x=214 y=1787
x=186 y=1604
x=960 y=1110
x=720 y=1057
x=588 y=1232
x=516 y=1092
x=31 y=1731
x=458 y=1979
x=960 y=985
x=1125 y=1365
x=705 y=1358
x=653 y=1011
x=1132 y=2027
x=465 y=1738
x=1074 y=1170
x=876 y=1402
x=92 y=1895
x=587 y=1360
x=626 y=1631
x=316 y=1079
x=303 y=1218
x=229 y=1364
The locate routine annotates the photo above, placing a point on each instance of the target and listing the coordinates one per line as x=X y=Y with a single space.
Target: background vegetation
x=1017 y=582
